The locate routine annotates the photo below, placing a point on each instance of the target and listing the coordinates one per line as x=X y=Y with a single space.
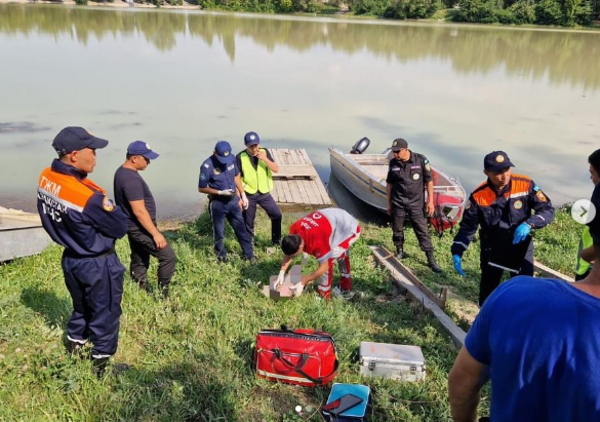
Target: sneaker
x=343 y=294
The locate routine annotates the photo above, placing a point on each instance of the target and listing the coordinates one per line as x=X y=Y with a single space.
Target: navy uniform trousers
x=229 y=208
x=96 y=287
x=267 y=203
x=491 y=276
x=416 y=215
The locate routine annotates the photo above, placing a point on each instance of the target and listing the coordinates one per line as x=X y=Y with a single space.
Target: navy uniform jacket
x=76 y=212
x=218 y=176
x=408 y=180
x=502 y=210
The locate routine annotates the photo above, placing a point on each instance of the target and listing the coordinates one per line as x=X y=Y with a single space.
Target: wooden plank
x=305 y=157
x=284 y=154
x=295 y=172
x=287 y=191
x=296 y=197
x=299 y=158
x=296 y=157
x=313 y=195
x=275 y=192
x=276 y=156
x=388 y=261
x=415 y=280
x=322 y=191
x=549 y=272
x=303 y=192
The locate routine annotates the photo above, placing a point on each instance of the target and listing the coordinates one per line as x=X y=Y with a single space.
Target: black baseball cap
x=398 y=144
x=75 y=138
x=496 y=161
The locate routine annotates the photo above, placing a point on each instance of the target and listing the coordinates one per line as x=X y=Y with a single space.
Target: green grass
x=191 y=356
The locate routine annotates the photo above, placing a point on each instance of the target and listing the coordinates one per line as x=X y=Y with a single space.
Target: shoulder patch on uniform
x=425 y=161
x=107 y=204
x=536 y=188
x=202 y=176
x=540 y=195
x=205 y=165
x=427 y=165
x=518 y=205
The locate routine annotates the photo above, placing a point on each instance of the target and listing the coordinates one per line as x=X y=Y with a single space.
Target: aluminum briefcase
x=394 y=361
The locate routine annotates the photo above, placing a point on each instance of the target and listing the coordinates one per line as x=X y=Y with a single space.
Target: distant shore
x=117 y=4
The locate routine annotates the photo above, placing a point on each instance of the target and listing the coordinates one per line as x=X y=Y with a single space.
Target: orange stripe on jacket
x=67 y=188
x=485 y=196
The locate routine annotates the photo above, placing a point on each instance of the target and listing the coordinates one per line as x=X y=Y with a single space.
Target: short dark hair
x=594 y=160
x=290 y=244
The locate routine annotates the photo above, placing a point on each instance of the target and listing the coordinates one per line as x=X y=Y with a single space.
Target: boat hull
x=364 y=176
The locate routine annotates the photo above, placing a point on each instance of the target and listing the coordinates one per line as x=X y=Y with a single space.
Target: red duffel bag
x=301 y=357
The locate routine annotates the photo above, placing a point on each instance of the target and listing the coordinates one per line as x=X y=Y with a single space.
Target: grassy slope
x=191 y=356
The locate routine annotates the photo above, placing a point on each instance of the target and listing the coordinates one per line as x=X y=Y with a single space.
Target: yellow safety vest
x=257 y=179
x=585 y=242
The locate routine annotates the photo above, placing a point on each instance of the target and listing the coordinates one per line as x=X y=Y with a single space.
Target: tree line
x=542 y=12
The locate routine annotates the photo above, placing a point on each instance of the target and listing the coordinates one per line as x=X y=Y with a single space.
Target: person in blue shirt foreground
x=538 y=342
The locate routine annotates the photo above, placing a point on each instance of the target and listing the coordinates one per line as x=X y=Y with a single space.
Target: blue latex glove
x=521 y=233
x=457 y=261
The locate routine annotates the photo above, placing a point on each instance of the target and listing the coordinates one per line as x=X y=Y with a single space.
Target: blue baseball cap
x=143 y=149
x=75 y=138
x=496 y=161
x=251 y=138
x=223 y=152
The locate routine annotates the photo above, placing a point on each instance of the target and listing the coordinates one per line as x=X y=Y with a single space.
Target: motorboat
x=364 y=176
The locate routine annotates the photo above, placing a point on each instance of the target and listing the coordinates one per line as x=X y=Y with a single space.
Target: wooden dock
x=297 y=182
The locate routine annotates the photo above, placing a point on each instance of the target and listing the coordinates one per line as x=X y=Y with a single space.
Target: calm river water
x=182 y=80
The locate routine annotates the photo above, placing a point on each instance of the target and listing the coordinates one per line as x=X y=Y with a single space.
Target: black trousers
x=416 y=215
x=267 y=203
x=491 y=276
x=142 y=247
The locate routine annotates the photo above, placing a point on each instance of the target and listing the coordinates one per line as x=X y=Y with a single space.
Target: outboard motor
x=361 y=146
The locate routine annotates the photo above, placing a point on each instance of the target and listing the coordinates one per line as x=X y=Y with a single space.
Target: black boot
x=432 y=264
x=99 y=366
x=164 y=290
x=74 y=348
x=399 y=253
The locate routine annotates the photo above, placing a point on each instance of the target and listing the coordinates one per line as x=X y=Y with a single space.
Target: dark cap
x=251 y=138
x=143 y=149
x=75 y=138
x=223 y=152
x=496 y=161
x=594 y=225
x=399 y=144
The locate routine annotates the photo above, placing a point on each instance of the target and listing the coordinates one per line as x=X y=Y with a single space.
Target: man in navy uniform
x=409 y=177
x=503 y=206
x=256 y=167
x=78 y=215
x=220 y=180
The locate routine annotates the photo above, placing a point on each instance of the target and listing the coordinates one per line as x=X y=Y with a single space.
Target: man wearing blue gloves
x=507 y=207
